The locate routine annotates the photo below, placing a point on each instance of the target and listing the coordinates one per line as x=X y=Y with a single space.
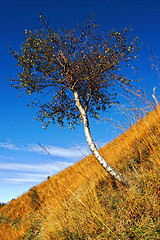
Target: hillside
x=83 y=202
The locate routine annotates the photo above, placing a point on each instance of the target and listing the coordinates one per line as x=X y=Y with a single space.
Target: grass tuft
x=84 y=202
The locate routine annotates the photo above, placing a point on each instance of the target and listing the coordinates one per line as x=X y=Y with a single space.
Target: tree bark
x=112 y=171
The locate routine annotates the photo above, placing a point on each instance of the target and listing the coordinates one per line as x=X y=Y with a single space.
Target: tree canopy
x=56 y=63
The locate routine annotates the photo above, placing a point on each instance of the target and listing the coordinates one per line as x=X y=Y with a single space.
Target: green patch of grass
x=14 y=222
x=32 y=232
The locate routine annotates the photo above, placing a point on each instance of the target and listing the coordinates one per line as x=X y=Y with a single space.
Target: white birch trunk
x=113 y=172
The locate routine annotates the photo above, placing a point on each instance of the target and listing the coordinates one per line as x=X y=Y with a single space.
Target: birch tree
x=73 y=74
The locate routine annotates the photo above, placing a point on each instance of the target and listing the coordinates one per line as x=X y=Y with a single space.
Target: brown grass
x=83 y=202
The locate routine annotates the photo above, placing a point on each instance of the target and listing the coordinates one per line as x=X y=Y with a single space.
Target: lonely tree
x=73 y=74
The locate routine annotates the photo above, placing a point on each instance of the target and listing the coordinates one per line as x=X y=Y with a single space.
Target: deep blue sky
x=20 y=156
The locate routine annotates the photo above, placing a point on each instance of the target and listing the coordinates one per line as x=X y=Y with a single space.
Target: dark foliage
x=57 y=63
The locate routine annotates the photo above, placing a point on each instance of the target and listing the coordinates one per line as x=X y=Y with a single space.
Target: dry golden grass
x=83 y=202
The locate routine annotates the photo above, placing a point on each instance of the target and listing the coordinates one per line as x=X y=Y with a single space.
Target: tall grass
x=105 y=209
x=83 y=202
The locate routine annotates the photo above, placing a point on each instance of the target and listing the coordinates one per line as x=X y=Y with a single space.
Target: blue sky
x=21 y=158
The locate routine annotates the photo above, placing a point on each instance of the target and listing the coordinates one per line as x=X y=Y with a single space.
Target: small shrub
x=35 y=200
x=2 y=204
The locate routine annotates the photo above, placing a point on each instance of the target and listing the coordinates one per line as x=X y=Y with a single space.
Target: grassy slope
x=82 y=202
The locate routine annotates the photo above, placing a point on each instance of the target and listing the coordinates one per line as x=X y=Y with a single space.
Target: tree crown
x=57 y=63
